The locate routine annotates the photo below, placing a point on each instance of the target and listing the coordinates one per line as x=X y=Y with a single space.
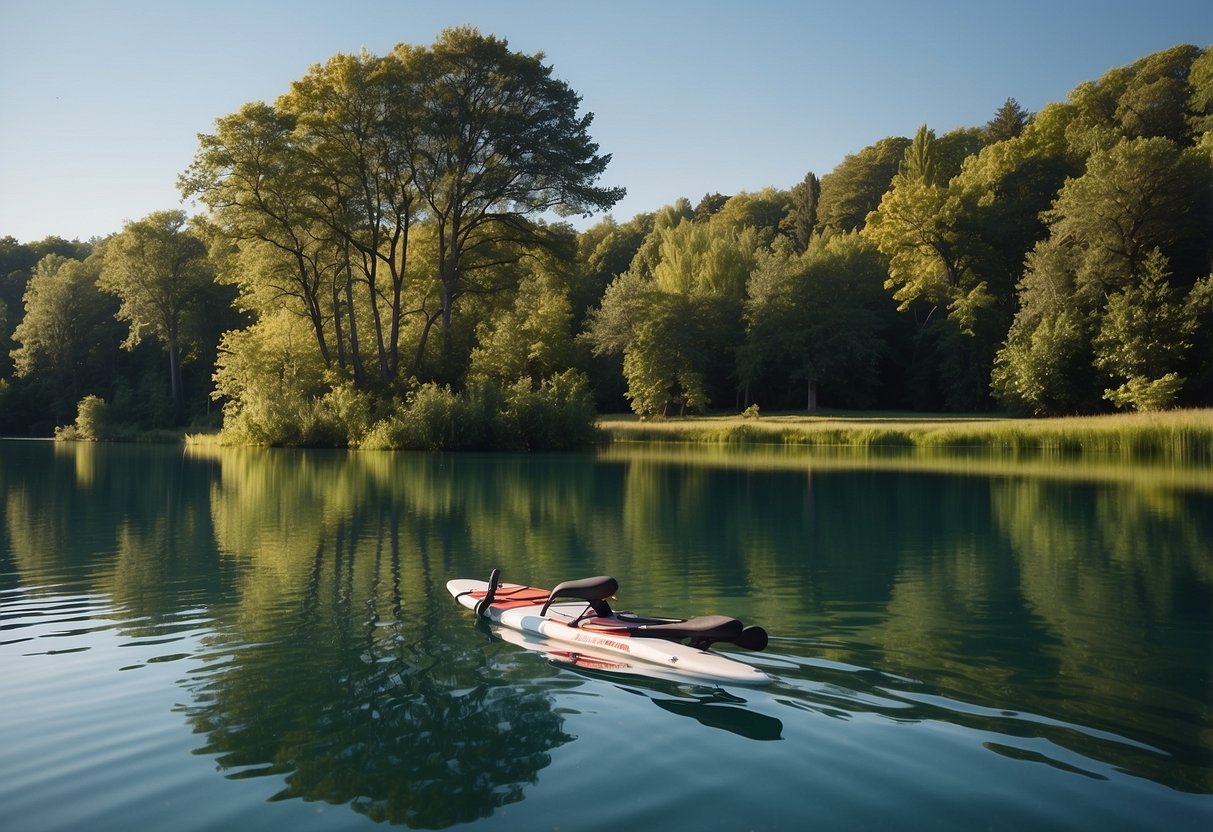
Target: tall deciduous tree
x=357 y=122
x=853 y=189
x=60 y=334
x=816 y=318
x=371 y=169
x=502 y=145
x=1141 y=203
x=928 y=260
x=1139 y=195
x=532 y=338
x=677 y=327
x=252 y=174
x=158 y=269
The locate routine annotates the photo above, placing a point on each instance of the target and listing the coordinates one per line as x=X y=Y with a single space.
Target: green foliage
x=271 y=390
x=159 y=270
x=817 y=318
x=1142 y=338
x=532 y=338
x=1042 y=368
x=92 y=422
x=556 y=414
x=385 y=196
x=1007 y=123
x=1200 y=102
x=920 y=164
x=660 y=359
x=66 y=336
x=853 y=189
x=801 y=220
x=675 y=317
x=384 y=224
x=1139 y=195
x=91 y=418
x=1143 y=394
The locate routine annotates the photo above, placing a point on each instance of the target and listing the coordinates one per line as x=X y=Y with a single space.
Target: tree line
x=381 y=263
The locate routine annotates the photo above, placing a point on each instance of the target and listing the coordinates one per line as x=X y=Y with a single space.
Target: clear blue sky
x=101 y=101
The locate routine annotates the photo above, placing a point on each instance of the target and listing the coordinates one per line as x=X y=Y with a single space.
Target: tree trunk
x=355 y=347
x=338 y=333
x=175 y=384
x=419 y=355
x=811 y=403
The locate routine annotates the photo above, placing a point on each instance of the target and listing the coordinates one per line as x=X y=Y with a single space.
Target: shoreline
x=1178 y=435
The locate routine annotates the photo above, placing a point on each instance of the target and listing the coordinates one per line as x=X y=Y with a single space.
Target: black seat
x=709 y=627
x=594 y=590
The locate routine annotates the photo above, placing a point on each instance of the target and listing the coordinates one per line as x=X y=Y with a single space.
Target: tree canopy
x=385 y=260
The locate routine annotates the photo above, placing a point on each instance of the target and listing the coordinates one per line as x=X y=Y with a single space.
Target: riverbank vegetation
x=1182 y=436
x=382 y=263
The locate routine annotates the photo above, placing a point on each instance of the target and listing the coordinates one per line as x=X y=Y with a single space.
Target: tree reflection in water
x=351 y=697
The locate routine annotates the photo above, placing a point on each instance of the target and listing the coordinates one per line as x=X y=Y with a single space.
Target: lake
x=206 y=639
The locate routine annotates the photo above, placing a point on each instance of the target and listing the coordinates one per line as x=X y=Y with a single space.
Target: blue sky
x=101 y=102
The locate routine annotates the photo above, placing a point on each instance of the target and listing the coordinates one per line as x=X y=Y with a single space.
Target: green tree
x=802 y=218
x=605 y=251
x=816 y=318
x=854 y=189
x=709 y=206
x=677 y=328
x=503 y=144
x=930 y=258
x=62 y=333
x=765 y=212
x=532 y=338
x=271 y=387
x=1008 y=122
x=1200 y=101
x=1142 y=340
x=159 y=270
x=1148 y=98
x=1044 y=367
x=386 y=188
x=1140 y=203
x=648 y=255
x=1139 y=195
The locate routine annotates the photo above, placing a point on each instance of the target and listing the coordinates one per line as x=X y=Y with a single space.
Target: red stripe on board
x=510 y=597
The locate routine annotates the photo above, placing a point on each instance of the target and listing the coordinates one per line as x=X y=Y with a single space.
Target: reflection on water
x=1062 y=623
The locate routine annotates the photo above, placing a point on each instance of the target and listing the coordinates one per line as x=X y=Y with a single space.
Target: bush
x=92 y=422
x=556 y=415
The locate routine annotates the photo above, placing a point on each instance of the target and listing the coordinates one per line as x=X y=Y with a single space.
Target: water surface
x=233 y=638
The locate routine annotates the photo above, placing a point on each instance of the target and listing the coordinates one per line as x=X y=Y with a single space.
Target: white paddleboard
x=518 y=607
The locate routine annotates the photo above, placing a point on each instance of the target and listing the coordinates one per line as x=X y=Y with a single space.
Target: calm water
x=262 y=639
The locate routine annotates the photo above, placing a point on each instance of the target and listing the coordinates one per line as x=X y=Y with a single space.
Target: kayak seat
x=594 y=590
x=703 y=627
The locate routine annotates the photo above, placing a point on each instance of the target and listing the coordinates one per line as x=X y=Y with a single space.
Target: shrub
x=558 y=414
x=92 y=422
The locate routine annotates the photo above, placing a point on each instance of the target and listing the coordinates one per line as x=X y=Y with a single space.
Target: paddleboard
x=529 y=609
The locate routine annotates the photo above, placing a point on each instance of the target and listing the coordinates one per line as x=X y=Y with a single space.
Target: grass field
x=1179 y=435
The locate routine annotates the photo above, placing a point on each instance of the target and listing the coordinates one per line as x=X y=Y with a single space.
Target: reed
x=1178 y=435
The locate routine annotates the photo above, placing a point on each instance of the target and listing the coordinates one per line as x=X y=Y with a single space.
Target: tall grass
x=1181 y=436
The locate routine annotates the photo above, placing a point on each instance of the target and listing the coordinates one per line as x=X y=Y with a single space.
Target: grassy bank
x=1179 y=435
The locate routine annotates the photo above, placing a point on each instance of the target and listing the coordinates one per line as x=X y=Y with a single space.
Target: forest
x=385 y=259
